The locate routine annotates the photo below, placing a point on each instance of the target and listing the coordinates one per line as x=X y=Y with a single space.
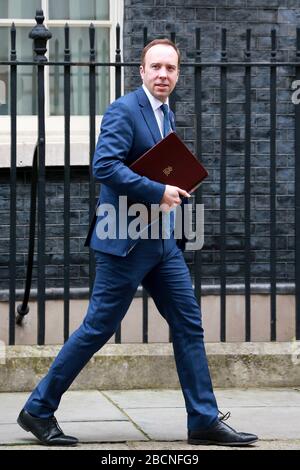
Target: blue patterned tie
x=167 y=125
x=167 y=227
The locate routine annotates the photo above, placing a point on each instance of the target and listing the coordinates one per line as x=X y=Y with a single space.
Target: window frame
x=27 y=126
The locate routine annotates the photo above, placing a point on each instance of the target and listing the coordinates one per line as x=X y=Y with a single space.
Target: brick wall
x=160 y=16
x=54 y=227
x=183 y=16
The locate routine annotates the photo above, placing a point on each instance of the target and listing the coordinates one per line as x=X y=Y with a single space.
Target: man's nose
x=162 y=72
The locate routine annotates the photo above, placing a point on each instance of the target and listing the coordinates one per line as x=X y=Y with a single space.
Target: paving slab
x=225 y=397
x=91 y=431
x=89 y=405
x=271 y=413
x=88 y=415
x=127 y=399
x=258 y=397
x=161 y=424
x=158 y=416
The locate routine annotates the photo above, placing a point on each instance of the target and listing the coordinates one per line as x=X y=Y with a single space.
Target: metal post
x=247 y=189
x=40 y=36
x=13 y=187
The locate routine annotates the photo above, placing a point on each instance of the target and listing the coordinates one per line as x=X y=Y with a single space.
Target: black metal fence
x=40 y=35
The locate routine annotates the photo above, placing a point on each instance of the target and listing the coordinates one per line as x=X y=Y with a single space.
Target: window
x=104 y=14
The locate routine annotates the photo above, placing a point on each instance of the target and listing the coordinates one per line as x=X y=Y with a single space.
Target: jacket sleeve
x=114 y=143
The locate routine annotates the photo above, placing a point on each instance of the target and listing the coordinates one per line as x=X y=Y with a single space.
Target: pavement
x=156 y=419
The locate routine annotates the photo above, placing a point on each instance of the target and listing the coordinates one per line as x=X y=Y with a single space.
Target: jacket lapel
x=148 y=114
x=172 y=120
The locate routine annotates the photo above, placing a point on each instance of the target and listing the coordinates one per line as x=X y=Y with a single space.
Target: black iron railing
x=40 y=36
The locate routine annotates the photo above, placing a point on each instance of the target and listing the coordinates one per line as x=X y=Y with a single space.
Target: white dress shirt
x=158 y=113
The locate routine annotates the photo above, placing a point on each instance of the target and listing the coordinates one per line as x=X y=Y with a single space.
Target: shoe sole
x=23 y=426
x=218 y=443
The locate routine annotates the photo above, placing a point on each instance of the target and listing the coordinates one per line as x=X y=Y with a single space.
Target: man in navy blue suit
x=131 y=126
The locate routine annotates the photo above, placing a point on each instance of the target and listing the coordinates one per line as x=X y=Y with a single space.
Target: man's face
x=160 y=70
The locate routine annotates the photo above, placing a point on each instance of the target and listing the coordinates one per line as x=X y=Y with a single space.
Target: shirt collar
x=155 y=103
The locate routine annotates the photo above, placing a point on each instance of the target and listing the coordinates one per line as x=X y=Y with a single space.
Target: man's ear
x=141 y=70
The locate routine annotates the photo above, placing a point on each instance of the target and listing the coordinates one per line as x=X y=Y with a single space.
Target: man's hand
x=171 y=197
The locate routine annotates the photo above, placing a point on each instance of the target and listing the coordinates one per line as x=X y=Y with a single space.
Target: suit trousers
x=160 y=267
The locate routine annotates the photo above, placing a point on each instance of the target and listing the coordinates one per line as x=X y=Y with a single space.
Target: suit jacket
x=129 y=128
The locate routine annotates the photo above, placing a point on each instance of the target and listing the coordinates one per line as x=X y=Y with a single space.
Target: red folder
x=171 y=162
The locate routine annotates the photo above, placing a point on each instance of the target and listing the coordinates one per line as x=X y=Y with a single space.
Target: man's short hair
x=166 y=42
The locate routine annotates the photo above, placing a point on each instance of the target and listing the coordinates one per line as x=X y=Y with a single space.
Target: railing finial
x=40 y=35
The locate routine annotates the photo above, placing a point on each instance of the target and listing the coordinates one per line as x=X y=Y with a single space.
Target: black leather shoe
x=222 y=435
x=46 y=430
